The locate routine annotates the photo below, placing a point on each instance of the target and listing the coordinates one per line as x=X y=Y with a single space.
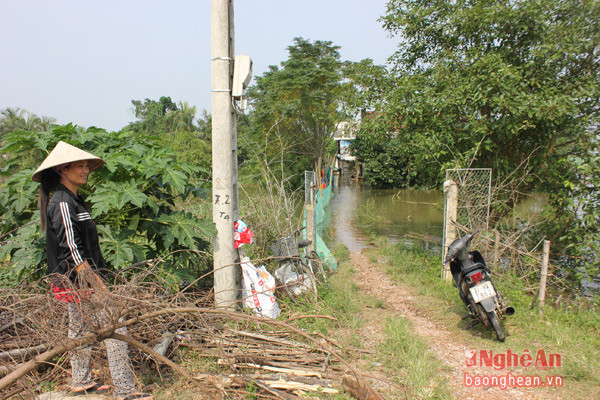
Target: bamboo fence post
x=451 y=190
x=545 y=260
x=311 y=227
x=496 y=247
x=311 y=220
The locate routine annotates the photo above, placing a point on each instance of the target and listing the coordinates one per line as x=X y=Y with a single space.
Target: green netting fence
x=319 y=192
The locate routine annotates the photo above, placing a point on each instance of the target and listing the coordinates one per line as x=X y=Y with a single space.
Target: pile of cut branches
x=242 y=354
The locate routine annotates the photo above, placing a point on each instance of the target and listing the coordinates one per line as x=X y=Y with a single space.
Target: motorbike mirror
x=471 y=235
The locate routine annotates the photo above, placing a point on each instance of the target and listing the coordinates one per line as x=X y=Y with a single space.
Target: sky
x=83 y=61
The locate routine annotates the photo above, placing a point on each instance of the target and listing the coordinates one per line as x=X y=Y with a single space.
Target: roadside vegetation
x=406 y=368
x=569 y=328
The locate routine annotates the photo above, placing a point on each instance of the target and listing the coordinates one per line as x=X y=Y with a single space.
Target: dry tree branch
x=22 y=353
x=149 y=314
x=30 y=365
x=476 y=151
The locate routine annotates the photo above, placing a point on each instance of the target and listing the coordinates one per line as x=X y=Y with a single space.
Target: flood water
x=414 y=217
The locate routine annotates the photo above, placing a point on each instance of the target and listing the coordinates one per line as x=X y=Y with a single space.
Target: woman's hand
x=86 y=274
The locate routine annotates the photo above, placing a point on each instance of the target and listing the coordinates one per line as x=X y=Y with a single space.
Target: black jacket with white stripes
x=71 y=235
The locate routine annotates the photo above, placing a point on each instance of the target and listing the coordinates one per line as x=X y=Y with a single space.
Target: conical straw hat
x=65 y=153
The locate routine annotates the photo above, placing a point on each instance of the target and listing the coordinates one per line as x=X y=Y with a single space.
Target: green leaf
x=132 y=194
x=175 y=178
x=185 y=229
x=106 y=198
x=117 y=248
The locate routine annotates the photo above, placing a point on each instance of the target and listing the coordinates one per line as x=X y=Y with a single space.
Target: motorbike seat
x=304 y=243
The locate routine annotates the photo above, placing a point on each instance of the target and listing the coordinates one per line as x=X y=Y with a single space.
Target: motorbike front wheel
x=497 y=325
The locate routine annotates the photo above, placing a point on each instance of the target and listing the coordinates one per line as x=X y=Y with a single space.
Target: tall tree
x=177 y=126
x=182 y=118
x=300 y=102
x=152 y=115
x=15 y=119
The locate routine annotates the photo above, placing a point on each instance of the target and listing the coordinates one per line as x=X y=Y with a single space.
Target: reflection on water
x=342 y=227
x=414 y=217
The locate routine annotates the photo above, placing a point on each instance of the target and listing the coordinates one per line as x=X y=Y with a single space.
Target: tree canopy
x=492 y=82
x=12 y=119
x=298 y=105
x=163 y=116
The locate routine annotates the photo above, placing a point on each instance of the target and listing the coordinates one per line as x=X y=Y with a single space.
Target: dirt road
x=399 y=301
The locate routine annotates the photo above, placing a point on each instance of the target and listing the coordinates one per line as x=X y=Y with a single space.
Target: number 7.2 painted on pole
x=218 y=199
x=222 y=214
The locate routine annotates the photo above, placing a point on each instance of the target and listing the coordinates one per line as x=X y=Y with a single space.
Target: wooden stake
x=545 y=260
x=496 y=247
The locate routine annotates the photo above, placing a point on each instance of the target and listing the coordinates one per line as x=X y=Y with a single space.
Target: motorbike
x=472 y=277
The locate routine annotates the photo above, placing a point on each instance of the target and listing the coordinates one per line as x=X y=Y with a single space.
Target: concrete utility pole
x=224 y=153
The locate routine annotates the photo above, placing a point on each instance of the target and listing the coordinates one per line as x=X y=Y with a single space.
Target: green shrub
x=133 y=201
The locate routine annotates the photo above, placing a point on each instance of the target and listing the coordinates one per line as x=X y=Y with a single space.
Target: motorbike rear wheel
x=497 y=325
x=481 y=313
x=310 y=282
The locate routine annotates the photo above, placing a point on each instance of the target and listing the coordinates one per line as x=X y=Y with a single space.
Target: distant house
x=346 y=131
x=344 y=134
x=345 y=162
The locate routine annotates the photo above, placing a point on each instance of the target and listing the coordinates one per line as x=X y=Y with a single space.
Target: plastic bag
x=241 y=234
x=257 y=290
x=295 y=282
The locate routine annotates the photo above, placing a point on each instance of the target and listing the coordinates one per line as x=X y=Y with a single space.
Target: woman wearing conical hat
x=74 y=265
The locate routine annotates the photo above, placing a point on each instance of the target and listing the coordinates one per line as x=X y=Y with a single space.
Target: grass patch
x=341 y=253
x=405 y=358
x=340 y=299
x=408 y=356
